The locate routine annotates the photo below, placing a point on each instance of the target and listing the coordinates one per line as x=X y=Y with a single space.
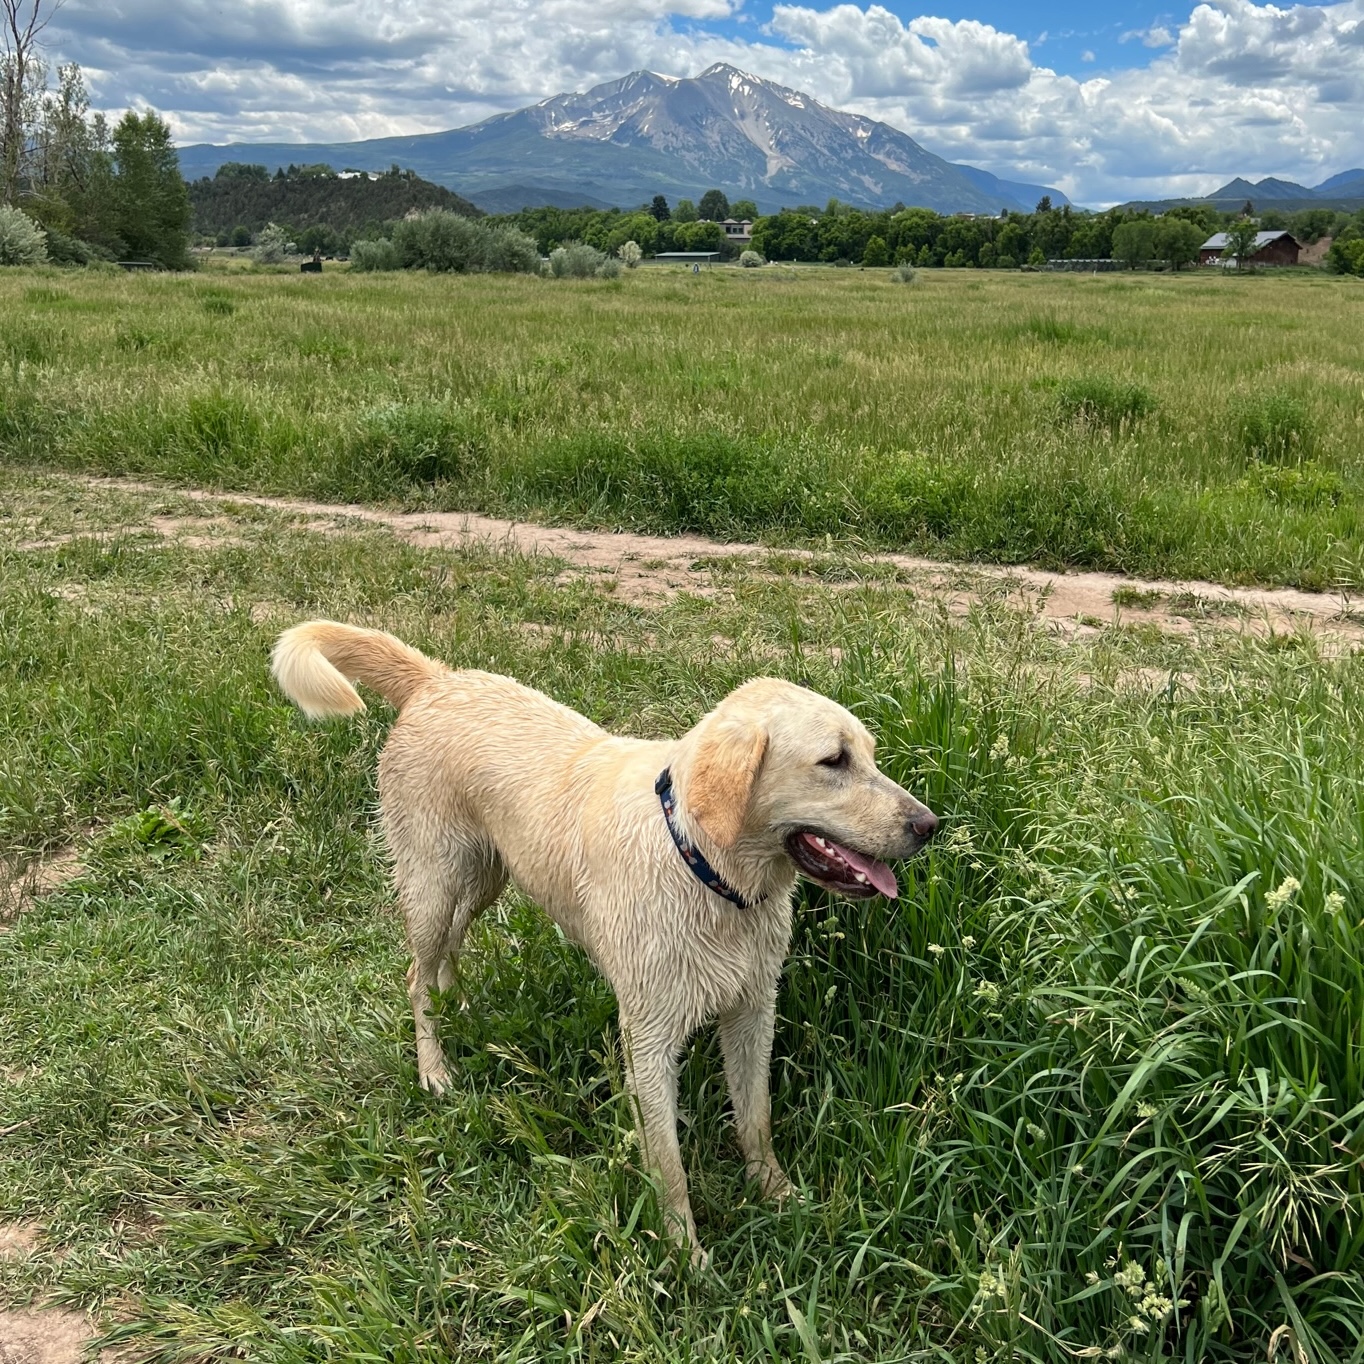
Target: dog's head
x=775 y=769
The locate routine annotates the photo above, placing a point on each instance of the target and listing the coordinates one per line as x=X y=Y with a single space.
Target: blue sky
x=1109 y=103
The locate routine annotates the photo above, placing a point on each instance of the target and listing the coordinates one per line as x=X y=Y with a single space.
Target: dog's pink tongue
x=876 y=872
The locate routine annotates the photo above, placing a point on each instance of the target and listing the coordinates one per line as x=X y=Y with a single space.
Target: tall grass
x=1092 y=1085
x=831 y=403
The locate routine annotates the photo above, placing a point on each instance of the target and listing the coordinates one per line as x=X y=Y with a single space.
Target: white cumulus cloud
x=1238 y=88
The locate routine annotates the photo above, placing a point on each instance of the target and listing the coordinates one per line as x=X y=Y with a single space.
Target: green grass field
x=1162 y=425
x=1092 y=1088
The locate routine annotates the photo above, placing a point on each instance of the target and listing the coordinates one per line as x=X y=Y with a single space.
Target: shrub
x=905 y=272
x=512 y=251
x=446 y=242
x=376 y=255
x=630 y=253
x=440 y=241
x=1272 y=426
x=22 y=241
x=610 y=268
x=272 y=245
x=575 y=260
x=751 y=259
x=1097 y=400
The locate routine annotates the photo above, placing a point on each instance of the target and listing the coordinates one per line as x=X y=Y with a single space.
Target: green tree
x=1240 y=245
x=685 y=212
x=875 y=253
x=659 y=209
x=241 y=170
x=21 y=239
x=714 y=206
x=743 y=210
x=152 y=211
x=1177 y=241
x=1134 y=242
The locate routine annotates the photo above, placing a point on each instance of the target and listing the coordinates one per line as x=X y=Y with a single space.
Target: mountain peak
x=643 y=134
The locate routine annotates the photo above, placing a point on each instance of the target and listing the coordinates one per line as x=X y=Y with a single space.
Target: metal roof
x=1218 y=240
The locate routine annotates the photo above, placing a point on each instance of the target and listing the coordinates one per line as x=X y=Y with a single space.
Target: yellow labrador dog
x=672 y=863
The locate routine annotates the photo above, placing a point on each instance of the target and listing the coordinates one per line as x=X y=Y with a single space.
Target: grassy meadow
x=1195 y=425
x=1092 y=1088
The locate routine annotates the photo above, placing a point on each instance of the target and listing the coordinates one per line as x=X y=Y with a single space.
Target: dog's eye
x=840 y=759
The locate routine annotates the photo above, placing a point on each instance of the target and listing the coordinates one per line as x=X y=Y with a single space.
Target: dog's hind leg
x=441 y=894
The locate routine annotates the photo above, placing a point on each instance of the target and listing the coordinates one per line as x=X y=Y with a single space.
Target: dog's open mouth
x=839 y=868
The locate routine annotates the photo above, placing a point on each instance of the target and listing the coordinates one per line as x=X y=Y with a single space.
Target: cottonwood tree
x=23 y=80
x=1241 y=243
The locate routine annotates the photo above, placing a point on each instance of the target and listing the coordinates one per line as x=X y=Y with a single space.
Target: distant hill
x=628 y=140
x=302 y=200
x=1344 y=192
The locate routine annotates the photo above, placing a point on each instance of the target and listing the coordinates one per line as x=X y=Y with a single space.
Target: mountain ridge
x=643 y=134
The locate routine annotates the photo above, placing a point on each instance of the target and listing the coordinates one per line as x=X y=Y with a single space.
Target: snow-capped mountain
x=625 y=141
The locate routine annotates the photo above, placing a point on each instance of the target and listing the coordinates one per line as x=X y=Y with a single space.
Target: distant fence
x=1086 y=267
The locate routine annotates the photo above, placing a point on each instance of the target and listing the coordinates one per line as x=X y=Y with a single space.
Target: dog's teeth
x=820 y=843
x=857 y=876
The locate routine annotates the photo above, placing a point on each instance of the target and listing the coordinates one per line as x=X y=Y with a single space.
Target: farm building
x=1271 y=248
x=738 y=231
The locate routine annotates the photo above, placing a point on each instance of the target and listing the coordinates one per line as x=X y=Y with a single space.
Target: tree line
x=838 y=233
x=95 y=192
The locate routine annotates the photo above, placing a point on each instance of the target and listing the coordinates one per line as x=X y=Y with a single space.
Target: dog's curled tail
x=316 y=662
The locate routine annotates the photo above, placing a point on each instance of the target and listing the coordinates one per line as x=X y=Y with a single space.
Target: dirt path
x=645 y=569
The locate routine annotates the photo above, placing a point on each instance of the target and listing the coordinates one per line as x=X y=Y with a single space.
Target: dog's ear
x=723 y=770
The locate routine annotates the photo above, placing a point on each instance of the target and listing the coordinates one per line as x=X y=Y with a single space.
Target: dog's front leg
x=651 y=1061
x=746 y=1040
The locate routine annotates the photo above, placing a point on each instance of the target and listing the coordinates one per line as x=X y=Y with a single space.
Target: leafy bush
x=610 y=268
x=376 y=255
x=1097 y=400
x=445 y=242
x=440 y=241
x=905 y=272
x=1272 y=426
x=22 y=241
x=750 y=259
x=272 y=245
x=1346 y=257
x=574 y=260
x=630 y=253
x=512 y=252
x=64 y=250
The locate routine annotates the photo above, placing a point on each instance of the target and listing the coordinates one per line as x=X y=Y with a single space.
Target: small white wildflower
x=1136 y=1323
x=1077 y=1169
x=830 y=993
x=968 y=942
x=1092 y=1277
x=1000 y=748
x=1155 y=1305
x=937 y=949
x=1131 y=1278
x=1277 y=898
x=1037 y=1132
x=1335 y=903
x=988 y=991
x=1146 y=1110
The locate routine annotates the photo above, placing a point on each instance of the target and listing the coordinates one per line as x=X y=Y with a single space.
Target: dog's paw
x=700 y=1259
x=435 y=1080
x=773 y=1183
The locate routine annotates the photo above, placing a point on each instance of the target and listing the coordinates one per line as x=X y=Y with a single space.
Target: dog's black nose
x=925 y=825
